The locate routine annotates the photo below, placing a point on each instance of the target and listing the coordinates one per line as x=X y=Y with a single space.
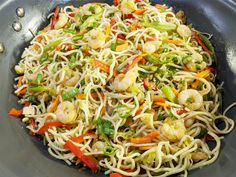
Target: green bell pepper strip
x=209 y=45
x=90 y=21
x=77 y=38
x=148 y=67
x=169 y=94
x=52 y=45
x=70 y=31
x=42 y=89
x=70 y=94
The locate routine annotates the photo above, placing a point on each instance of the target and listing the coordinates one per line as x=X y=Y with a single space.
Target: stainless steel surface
x=22 y=155
x=16 y=26
x=20 y=12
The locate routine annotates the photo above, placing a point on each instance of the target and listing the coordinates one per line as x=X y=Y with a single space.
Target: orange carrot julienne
x=15 y=112
x=159 y=99
x=144 y=148
x=205 y=73
x=22 y=92
x=200 y=42
x=54 y=104
x=134 y=62
x=122 y=47
x=146 y=83
x=139 y=11
x=146 y=139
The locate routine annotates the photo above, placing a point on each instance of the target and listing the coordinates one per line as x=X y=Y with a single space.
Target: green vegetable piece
x=148 y=67
x=52 y=45
x=161 y=117
x=202 y=133
x=209 y=45
x=161 y=27
x=39 y=78
x=113 y=46
x=77 y=38
x=150 y=158
x=43 y=58
x=70 y=31
x=82 y=83
x=123 y=111
x=104 y=127
x=169 y=94
x=33 y=99
x=72 y=63
x=70 y=94
x=37 y=89
x=109 y=151
x=90 y=20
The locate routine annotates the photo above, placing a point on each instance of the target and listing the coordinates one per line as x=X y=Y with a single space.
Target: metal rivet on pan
x=17 y=26
x=1 y=47
x=20 y=12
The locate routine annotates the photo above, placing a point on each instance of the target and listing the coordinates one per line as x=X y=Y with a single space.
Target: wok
x=22 y=155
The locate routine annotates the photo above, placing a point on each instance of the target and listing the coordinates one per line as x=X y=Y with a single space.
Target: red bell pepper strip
x=80 y=138
x=55 y=17
x=47 y=125
x=134 y=62
x=116 y=175
x=15 y=112
x=89 y=161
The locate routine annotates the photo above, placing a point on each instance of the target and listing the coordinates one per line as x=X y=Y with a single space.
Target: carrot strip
x=104 y=67
x=54 y=104
x=22 y=92
x=146 y=139
x=122 y=47
x=200 y=42
x=134 y=62
x=161 y=104
x=15 y=112
x=158 y=99
x=139 y=11
x=175 y=91
x=144 y=148
x=205 y=73
x=146 y=83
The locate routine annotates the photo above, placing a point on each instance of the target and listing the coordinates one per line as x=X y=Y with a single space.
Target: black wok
x=24 y=156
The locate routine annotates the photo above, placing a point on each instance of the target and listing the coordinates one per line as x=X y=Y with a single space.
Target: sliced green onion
x=169 y=94
x=52 y=45
x=70 y=94
x=70 y=31
x=113 y=46
x=77 y=38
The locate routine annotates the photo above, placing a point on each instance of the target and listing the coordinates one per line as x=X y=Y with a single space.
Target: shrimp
x=96 y=39
x=196 y=62
x=191 y=98
x=184 y=31
x=124 y=81
x=173 y=130
x=98 y=146
x=88 y=9
x=151 y=46
x=66 y=112
x=62 y=21
x=128 y=6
